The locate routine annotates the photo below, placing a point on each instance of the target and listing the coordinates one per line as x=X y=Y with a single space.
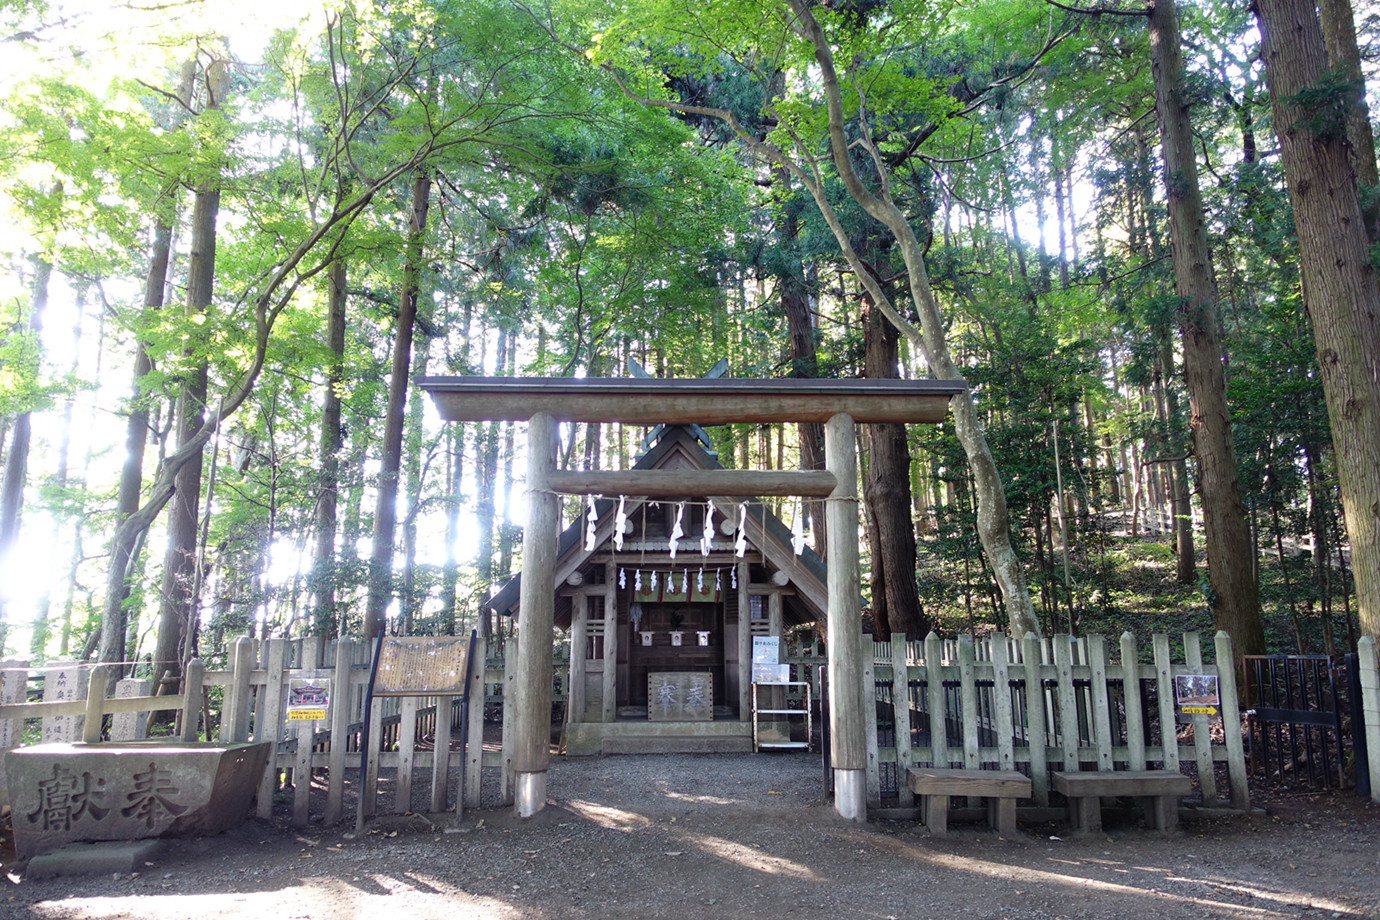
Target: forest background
x=234 y=237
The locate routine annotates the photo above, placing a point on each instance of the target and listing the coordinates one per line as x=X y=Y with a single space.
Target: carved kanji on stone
x=151 y=790
x=65 y=798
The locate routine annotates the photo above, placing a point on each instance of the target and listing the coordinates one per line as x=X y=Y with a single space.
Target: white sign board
x=766 y=650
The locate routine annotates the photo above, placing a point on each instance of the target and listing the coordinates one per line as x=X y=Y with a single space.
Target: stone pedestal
x=62 y=793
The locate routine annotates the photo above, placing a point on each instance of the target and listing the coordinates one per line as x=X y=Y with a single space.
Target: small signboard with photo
x=771 y=673
x=1196 y=695
x=308 y=699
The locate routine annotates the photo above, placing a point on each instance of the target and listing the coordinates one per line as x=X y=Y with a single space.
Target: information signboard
x=422 y=666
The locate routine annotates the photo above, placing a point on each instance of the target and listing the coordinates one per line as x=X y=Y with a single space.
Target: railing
x=969 y=703
x=253 y=707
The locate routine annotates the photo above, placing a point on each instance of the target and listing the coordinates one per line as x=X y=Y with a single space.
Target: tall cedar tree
x=1339 y=283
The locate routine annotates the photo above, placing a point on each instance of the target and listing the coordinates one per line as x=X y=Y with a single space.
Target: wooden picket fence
x=968 y=703
x=406 y=732
x=951 y=714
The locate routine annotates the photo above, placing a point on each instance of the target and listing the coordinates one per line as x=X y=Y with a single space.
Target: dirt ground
x=670 y=837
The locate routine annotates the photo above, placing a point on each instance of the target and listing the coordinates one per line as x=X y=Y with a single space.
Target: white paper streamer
x=591 y=523
x=620 y=522
x=637 y=581
x=685 y=582
x=708 y=534
x=676 y=531
x=622 y=578
x=653 y=579
x=699 y=582
x=740 y=548
x=718 y=581
x=798 y=530
x=733 y=576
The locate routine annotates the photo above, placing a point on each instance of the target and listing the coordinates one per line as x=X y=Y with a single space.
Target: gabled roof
x=679 y=448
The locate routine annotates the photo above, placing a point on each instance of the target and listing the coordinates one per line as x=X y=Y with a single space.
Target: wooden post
x=1130 y=692
x=1035 y=709
x=967 y=700
x=873 y=771
x=193 y=696
x=575 y=699
x=1066 y=702
x=1164 y=682
x=505 y=780
x=536 y=612
x=1231 y=722
x=1001 y=702
x=474 y=727
x=609 y=704
x=1102 y=716
x=934 y=700
x=1202 y=731
x=1370 y=705
x=95 y=704
x=844 y=622
x=744 y=644
x=341 y=696
x=900 y=705
x=440 y=757
x=407 y=753
x=301 y=773
x=234 y=723
x=270 y=726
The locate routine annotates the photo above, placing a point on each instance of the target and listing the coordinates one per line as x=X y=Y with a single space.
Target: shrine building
x=636 y=613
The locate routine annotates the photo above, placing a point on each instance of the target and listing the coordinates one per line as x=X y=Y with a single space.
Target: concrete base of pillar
x=850 y=794
x=530 y=793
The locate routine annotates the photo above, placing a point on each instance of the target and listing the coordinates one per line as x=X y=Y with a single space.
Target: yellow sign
x=306 y=715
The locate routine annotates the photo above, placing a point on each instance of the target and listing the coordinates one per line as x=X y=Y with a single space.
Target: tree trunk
x=994 y=526
x=1234 y=593
x=1339 y=284
x=886 y=487
x=1344 y=59
x=386 y=514
x=804 y=363
x=125 y=543
x=1173 y=468
x=326 y=623
x=17 y=456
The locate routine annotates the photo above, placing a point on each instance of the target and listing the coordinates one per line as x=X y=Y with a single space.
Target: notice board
x=423 y=666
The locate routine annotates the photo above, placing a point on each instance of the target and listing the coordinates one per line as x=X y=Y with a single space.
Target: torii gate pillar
x=847 y=726
x=536 y=613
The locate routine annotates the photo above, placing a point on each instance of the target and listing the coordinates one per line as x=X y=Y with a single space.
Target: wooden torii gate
x=545 y=402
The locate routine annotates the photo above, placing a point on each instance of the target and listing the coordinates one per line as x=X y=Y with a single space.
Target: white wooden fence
x=968 y=704
x=973 y=708
x=253 y=694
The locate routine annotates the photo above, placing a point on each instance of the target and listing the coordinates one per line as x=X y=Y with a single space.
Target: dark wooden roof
x=774 y=542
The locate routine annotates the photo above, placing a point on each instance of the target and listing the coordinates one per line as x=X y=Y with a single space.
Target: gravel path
x=672 y=837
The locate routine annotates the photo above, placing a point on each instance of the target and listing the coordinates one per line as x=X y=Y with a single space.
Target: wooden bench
x=1158 y=789
x=1001 y=789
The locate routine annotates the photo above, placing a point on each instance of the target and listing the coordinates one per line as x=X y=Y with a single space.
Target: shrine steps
x=585 y=738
